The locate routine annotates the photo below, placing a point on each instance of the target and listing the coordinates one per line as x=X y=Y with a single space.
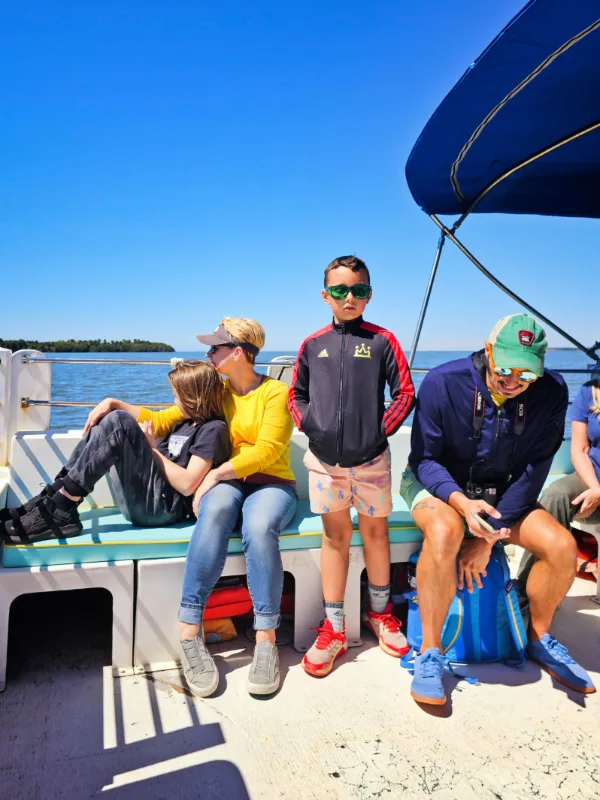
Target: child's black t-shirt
x=209 y=441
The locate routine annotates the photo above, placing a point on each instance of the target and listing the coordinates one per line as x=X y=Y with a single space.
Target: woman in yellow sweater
x=255 y=487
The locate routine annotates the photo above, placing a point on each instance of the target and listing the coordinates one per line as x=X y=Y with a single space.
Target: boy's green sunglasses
x=360 y=291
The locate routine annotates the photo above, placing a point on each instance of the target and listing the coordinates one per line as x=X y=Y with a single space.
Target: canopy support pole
x=417 y=336
x=590 y=352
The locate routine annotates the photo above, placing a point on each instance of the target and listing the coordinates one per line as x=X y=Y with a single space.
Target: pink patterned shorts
x=368 y=488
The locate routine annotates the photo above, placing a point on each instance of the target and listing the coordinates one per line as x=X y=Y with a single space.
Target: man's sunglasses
x=523 y=375
x=360 y=291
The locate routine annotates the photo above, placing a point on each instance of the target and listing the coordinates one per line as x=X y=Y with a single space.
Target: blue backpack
x=486 y=625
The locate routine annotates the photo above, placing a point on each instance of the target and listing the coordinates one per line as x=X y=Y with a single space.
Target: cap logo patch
x=526 y=338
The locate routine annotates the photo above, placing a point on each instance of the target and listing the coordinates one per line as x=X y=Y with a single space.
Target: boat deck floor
x=68 y=729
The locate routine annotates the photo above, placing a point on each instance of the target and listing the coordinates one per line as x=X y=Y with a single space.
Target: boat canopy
x=520 y=131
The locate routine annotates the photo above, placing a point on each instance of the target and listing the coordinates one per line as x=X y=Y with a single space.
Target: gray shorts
x=412 y=492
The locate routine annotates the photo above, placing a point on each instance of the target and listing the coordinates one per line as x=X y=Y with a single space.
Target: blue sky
x=165 y=164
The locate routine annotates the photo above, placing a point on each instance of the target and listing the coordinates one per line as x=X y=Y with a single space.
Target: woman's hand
x=207 y=484
x=148 y=431
x=96 y=414
x=473 y=559
x=590 y=500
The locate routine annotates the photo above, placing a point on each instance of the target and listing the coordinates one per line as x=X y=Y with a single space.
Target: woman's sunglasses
x=360 y=291
x=212 y=350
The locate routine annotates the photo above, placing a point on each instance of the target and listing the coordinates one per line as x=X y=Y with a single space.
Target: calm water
x=149 y=384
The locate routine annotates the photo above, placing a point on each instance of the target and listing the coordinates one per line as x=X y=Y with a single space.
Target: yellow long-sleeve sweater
x=260 y=428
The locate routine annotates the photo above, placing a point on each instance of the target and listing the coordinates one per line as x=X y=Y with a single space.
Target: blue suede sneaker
x=555 y=658
x=427 y=686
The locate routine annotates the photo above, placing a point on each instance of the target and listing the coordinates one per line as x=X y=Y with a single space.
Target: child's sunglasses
x=360 y=291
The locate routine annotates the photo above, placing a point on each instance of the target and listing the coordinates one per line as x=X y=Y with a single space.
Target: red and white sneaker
x=387 y=629
x=318 y=661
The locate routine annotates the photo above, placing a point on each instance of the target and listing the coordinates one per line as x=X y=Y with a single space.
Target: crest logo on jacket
x=323 y=354
x=526 y=338
x=362 y=351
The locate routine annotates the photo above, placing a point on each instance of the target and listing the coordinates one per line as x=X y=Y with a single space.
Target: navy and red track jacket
x=337 y=396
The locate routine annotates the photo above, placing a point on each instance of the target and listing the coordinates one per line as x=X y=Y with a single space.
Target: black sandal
x=44 y=521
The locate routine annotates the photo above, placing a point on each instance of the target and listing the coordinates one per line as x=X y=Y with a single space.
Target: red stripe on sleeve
x=401 y=406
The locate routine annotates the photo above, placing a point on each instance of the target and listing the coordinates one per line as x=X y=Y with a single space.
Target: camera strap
x=520 y=415
x=478 y=419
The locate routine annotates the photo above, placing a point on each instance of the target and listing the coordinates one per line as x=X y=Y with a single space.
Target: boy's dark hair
x=350 y=262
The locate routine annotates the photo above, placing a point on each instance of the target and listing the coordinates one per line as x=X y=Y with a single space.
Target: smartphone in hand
x=484 y=523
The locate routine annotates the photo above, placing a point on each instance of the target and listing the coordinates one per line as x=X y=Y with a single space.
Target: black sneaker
x=44 y=521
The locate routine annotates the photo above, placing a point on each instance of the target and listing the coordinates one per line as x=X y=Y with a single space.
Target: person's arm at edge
x=580 y=442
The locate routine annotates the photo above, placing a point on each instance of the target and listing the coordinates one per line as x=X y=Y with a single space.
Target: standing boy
x=337 y=398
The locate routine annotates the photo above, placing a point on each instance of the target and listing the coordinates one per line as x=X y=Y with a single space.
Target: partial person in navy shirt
x=577 y=496
x=485 y=431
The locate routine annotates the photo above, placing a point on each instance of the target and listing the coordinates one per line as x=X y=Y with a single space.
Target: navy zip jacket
x=443 y=445
x=337 y=396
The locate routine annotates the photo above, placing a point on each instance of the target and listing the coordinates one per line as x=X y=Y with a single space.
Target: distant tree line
x=88 y=346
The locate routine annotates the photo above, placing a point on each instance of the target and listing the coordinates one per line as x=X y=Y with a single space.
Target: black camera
x=482 y=491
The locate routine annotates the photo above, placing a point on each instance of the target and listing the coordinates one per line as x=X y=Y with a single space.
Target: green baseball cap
x=519 y=342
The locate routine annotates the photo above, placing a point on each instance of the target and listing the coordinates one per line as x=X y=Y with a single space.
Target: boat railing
x=26 y=387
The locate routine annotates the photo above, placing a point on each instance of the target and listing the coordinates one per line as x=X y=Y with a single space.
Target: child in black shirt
x=153 y=482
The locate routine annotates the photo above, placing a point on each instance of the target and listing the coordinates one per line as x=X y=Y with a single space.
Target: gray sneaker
x=200 y=670
x=264 y=677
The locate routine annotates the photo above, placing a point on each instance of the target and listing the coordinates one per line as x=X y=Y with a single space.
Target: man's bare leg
x=548 y=582
x=552 y=575
x=443 y=530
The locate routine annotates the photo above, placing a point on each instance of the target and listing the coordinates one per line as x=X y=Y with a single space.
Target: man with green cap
x=484 y=434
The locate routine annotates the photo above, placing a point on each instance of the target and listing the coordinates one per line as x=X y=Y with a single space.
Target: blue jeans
x=264 y=511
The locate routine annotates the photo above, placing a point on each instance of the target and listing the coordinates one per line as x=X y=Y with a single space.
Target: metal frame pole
x=436 y=261
x=590 y=352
